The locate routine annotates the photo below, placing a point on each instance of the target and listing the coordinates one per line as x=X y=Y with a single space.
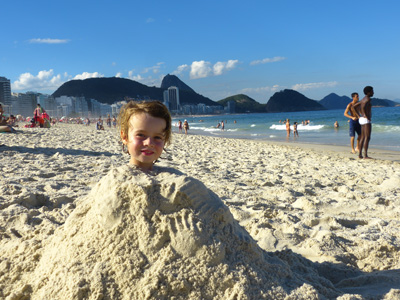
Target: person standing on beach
x=180 y=126
x=109 y=120
x=288 y=127
x=354 y=125
x=295 y=132
x=365 y=109
x=186 y=126
x=37 y=115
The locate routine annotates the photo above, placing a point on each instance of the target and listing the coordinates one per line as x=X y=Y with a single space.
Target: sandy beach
x=240 y=219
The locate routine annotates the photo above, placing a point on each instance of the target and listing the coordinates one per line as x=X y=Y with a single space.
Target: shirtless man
x=364 y=107
x=354 y=125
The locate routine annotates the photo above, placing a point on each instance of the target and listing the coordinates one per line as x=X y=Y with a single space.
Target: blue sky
x=219 y=48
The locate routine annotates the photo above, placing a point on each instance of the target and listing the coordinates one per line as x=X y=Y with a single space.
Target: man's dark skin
x=364 y=108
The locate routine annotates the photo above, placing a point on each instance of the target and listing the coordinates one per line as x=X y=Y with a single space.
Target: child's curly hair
x=154 y=108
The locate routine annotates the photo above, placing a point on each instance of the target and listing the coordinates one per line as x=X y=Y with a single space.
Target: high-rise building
x=165 y=97
x=48 y=103
x=24 y=103
x=5 y=94
x=173 y=99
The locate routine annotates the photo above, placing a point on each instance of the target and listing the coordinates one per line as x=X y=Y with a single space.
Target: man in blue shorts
x=354 y=125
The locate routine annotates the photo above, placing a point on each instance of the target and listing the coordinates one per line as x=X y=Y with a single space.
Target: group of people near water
x=6 y=123
x=184 y=126
x=360 y=113
x=40 y=119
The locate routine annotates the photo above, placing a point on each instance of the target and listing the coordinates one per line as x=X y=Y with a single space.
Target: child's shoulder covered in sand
x=128 y=172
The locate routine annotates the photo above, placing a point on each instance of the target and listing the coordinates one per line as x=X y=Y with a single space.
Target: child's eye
x=159 y=137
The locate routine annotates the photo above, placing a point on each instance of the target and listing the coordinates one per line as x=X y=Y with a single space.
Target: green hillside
x=244 y=104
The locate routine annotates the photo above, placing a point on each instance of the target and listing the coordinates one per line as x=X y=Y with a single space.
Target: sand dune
x=239 y=220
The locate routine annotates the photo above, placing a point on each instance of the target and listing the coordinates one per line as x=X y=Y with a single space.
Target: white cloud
x=46 y=80
x=135 y=77
x=180 y=69
x=155 y=69
x=313 y=85
x=202 y=69
x=86 y=75
x=221 y=67
x=267 y=60
x=43 y=81
x=119 y=75
x=261 y=90
x=149 y=81
x=48 y=41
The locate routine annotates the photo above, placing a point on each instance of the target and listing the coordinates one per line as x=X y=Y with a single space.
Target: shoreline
x=345 y=151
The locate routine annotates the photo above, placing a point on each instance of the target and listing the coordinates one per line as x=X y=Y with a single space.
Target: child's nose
x=149 y=141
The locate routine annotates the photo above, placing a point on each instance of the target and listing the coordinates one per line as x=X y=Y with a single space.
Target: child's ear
x=124 y=138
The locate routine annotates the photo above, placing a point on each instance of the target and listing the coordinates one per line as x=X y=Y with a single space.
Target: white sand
x=299 y=223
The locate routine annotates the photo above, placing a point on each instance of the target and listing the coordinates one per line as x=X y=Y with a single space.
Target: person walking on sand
x=37 y=114
x=288 y=127
x=365 y=109
x=108 y=120
x=180 y=126
x=295 y=132
x=186 y=126
x=354 y=125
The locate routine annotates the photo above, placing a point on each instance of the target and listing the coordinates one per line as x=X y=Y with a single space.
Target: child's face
x=145 y=140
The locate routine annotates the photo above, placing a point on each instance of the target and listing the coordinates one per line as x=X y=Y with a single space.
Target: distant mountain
x=186 y=94
x=244 y=104
x=383 y=102
x=172 y=80
x=290 y=100
x=110 y=90
x=333 y=101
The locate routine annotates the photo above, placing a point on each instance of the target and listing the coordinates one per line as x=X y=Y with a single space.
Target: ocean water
x=321 y=130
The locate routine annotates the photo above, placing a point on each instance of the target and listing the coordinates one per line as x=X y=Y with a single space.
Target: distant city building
x=5 y=94
x=201 y=108
x=24 y=103
x=116 y=107
x=80 y=106
x=173 y=99
x=48 y=103
x=94 y=108
x=68 y=106
x=231 y=107
x=105 y=109
x=165 y=97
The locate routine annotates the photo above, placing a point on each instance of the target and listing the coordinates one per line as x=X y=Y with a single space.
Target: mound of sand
x=164 y=235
